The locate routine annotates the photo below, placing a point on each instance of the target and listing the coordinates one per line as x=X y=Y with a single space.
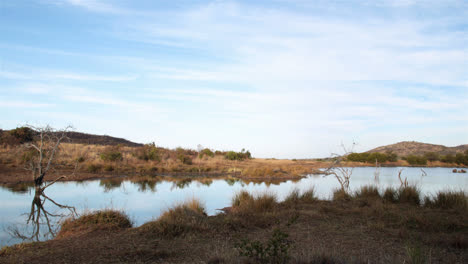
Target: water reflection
x=18 y=188
x=42 y=222
x=146 y=197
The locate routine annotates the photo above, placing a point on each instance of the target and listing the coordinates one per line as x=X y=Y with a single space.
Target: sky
x=283 y=79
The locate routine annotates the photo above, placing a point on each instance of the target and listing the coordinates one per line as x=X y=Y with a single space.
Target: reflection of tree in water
x=18 y=188
x=181 y=184
x=42 y=223
x=231 y=181
x=146 y=183
x=110 y=184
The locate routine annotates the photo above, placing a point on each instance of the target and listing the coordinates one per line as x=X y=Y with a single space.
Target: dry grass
x=319 y=232
x=296 y=196
x=244 y=202
x=409 y=195
x=448 y=200
x=367 y=192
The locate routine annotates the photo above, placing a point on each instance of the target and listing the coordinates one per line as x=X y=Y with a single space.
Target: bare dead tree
x=40 y=159
x=403 y=183
x=337 y=169
x=42 y=153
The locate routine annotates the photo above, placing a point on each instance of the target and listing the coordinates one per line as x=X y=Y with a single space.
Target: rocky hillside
x=406 y=148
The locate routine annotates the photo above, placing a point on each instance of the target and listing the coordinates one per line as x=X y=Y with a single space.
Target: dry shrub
x=448 y=200
x=187 y=217
x=99 y=220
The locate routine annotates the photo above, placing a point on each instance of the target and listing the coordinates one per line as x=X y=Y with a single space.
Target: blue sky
x=284 y=79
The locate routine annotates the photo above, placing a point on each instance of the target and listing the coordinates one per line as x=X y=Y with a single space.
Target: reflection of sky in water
x=143 y=206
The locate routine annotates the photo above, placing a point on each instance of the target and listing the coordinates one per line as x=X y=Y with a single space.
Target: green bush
x=232 y=155
x=206 y=152
x=275 y=250
x=148 y=152
x=416 y=160
x=372 y=157
x=432 y=156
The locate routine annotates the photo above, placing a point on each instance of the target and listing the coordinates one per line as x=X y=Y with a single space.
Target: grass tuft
x=390 y=195
x=409 y=195
x=367 y=192
x=341 y=195
x=295 y=196
x=99 y=220
x=186 y=217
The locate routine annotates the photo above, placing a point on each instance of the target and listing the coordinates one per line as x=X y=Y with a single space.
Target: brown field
x=89 y=164
x=367 y=227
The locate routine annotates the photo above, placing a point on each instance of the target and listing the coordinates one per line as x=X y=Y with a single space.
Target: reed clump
x=448 y=200
x=296 y=196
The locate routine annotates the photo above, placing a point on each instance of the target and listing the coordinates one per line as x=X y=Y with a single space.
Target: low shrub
x=93 y=168
x=206 y=152
x=232 y=155
x=108 y=168
x=448 y=200
x=148 y=152
x=184 y=159
x=111 y=156
x=99 y=220
x=275 y=250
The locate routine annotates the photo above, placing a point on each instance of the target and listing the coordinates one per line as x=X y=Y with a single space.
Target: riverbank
x=362 y=228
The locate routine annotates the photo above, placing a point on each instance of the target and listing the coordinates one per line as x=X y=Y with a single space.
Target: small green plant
x=275 y=250
x=415 y=254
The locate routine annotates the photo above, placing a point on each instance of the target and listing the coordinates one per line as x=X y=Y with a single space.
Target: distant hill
x=26 y=134
x=406 y=148
x=83 y=138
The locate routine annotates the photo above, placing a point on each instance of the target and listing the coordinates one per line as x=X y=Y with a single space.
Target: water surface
x=145 y=198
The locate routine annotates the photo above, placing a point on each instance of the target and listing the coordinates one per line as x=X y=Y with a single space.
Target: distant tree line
x=458 y=158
